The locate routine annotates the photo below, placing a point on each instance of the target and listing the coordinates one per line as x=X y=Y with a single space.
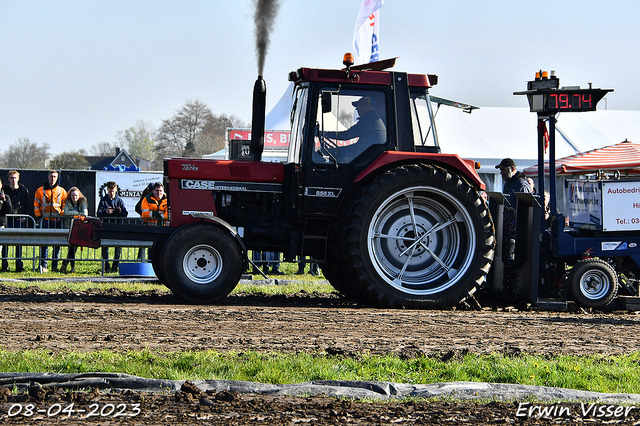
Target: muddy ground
x=323 y=323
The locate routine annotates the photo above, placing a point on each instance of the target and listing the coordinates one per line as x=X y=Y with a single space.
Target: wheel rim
x=202 y=264
x=421 y=241
x=594 y=284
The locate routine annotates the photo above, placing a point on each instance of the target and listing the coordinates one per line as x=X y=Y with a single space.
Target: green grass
x=89 y=263
x=292 y=284
x=592 y=373
x=595 y=373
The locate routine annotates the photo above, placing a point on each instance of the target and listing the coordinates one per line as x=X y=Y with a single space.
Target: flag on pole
x=542 y=130
x=365 y=37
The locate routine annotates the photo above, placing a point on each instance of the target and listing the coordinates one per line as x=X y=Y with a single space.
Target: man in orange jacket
x=48 y=206
x=154 y=205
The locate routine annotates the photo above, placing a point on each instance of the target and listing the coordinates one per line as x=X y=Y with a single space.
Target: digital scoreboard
x=545 y=96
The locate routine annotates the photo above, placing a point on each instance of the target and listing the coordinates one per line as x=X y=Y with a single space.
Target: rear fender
x=388 y=159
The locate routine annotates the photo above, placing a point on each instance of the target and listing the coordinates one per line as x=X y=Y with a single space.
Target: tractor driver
x=369 y=130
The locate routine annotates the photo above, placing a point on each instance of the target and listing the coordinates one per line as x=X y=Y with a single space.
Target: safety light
x=348 y=60
x=544 y=74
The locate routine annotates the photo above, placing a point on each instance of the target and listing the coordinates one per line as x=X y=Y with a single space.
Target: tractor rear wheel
x=155 y=255
x=333 y=271
x=418 y=236
x=593 y=283
x=202 y=263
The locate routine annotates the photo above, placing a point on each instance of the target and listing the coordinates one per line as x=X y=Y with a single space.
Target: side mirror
x=326 y=102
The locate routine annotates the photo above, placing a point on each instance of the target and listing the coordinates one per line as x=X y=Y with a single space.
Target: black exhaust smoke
x=263 y=17
x=257 y=119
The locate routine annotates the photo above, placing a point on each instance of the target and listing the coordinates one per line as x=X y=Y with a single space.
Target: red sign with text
x=273 y=139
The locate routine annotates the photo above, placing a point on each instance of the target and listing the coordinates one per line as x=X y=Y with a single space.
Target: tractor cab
x=343 y=120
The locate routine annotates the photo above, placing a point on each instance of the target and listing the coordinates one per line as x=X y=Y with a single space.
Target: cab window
x=347 y=123
x=424 y=134
x=298 y=118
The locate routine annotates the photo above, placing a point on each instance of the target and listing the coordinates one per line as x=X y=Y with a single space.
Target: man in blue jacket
x=513 y=181
x=111 y=206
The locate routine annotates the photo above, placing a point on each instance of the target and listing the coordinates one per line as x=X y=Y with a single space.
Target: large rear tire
x=155 y=255
x=593 y=283
x=333 y=271
x=418 y=236
x=202 y=263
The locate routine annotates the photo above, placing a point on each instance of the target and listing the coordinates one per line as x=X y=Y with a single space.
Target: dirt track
x=324 y=323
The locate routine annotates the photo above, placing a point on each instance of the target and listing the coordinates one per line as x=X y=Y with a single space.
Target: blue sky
x=74 y=73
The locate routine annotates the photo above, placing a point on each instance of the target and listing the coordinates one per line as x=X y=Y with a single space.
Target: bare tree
x=104 y=149
x=177 y=136
x=213 y=138
x=70 y=160
x=193 y=131
x=24 y=154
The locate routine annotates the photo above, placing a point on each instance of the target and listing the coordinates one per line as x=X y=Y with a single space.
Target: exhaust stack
x=258 y=117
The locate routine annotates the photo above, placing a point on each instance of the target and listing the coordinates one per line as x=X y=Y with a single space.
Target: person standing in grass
x=111 y=206
x=76 y=205
x=19 y=195
x=48 y=205
x=5 y=209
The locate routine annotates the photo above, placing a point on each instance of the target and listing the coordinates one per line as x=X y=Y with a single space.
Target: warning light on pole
x=546 y=96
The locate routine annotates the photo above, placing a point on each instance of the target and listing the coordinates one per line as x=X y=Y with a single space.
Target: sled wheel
x=593 y=283
x=418 y=236
x=202 y=263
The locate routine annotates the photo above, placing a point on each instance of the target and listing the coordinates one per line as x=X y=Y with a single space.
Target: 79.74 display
x=574 y=100
x=570 y=101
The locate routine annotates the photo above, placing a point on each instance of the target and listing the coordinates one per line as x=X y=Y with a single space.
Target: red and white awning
x=624 y=157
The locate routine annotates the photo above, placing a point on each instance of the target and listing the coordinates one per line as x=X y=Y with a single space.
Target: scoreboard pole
x=547 y=98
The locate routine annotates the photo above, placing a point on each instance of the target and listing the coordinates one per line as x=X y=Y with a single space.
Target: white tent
x=496 y=133
x=278 y=117
x=490 y=134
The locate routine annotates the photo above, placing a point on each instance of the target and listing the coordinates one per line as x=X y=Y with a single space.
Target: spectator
x=273 y=261
x=111 y=206
x=267 y=259
x=76 y=205
x=5 y=209
x=514 y=181
x=313 y=268
x=19 y=195
x=154 y=205
x=138 y=208
x=532 y=185
x=48 y=206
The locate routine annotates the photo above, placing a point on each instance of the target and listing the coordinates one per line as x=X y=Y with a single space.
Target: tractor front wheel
x=202 y=263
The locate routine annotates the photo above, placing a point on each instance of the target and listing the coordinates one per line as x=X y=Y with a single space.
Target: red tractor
x=365 y=192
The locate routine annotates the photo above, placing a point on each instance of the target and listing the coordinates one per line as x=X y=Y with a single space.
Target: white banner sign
x=130 y=186
x=620 y=205
x=585 y=203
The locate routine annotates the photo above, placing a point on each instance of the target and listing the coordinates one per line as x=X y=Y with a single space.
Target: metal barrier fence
x=25 y=241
